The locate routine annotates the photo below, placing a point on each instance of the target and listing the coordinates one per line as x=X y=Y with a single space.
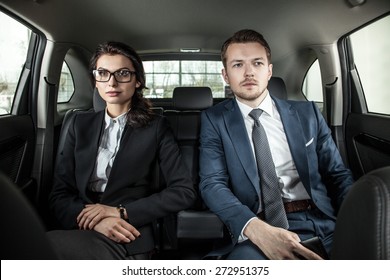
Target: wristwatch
x=121 y=210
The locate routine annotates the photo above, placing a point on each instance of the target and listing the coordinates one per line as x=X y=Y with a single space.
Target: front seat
x=363 y=223
x=22 y=235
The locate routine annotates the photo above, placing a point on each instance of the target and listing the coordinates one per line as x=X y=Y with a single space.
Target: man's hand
x=277 y=243
x=117 y=230
x=92 y=214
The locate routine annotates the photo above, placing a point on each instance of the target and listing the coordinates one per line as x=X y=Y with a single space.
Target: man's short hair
x=245 y=36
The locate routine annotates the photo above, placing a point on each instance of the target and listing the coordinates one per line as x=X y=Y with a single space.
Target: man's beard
x=250 y=96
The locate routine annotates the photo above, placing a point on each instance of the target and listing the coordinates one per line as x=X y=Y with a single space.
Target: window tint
x=312 y=85
x=163 y=76
x=13 y=52
x=66 y=87
x=370 y=47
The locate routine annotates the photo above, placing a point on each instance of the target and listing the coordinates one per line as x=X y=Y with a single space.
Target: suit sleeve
x=336 y=176
x=64 y=199
x=215 y=182
x=179 y=193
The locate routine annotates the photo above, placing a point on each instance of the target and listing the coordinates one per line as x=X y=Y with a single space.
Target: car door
x=366 y=53
x=19 y=61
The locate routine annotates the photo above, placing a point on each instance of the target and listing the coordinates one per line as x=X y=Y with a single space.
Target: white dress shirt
x=290 y=184
x=108 y=148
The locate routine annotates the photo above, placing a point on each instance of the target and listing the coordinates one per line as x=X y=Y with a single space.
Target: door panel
x=18 y=90
x=368 y=142
x=368 y=122
x=17 y=141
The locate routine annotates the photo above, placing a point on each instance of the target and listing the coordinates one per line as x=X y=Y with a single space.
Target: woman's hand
x=117 y=230
x=92 y=214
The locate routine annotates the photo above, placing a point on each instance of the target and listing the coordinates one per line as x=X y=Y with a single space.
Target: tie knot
x=255 y=114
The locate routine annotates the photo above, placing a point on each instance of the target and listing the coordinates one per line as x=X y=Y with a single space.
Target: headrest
x=277 y=88
x=98 y=103
x=192 y=98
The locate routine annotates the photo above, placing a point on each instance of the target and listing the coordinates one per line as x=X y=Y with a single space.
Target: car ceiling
x=152 y=26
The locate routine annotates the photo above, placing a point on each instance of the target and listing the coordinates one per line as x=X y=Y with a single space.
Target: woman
x=102 y=194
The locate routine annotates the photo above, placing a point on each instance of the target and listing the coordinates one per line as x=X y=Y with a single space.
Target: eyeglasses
x=121 y=75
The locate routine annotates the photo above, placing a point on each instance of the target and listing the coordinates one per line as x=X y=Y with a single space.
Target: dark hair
x=245 y=36
x=140 y=113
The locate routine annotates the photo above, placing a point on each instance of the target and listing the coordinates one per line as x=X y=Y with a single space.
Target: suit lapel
x=92 y=133
x=295 y=138
x=122 y=156
x=235 y=127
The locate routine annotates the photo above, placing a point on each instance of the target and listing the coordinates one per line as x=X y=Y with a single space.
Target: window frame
x=196 y=56
x=180 y=73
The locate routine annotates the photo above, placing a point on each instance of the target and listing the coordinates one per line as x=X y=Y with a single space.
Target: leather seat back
x=363 y=223
x=188 y=103
x=23 y=234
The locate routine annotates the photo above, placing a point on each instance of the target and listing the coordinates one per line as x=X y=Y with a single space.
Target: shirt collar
x=266 y=105
x=121 y=119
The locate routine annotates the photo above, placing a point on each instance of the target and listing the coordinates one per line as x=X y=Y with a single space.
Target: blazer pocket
x=310 y=142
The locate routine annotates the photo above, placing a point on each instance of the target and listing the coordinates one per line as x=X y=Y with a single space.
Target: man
x=311 y=179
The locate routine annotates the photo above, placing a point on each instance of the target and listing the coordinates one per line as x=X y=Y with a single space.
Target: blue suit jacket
x=230 y=182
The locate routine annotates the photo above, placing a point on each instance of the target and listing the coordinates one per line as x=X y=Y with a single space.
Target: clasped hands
x=106 y=220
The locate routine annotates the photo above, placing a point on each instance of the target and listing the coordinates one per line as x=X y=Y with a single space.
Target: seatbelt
x=48 y=141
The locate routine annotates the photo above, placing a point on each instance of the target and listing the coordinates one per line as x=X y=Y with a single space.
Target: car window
x=372 y=60
x=163 y=76
x=13 y=52
x=66 y=87
x=312 y=84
